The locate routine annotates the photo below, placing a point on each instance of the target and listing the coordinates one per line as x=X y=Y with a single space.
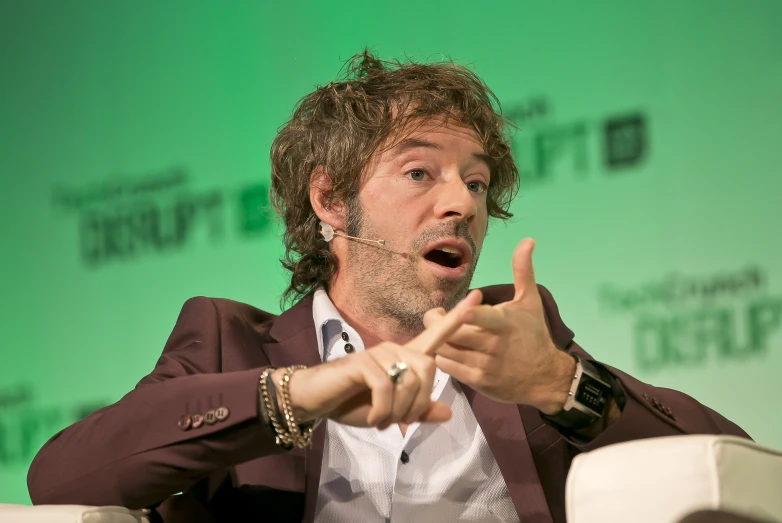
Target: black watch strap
x=572 y=419
x=587 y=400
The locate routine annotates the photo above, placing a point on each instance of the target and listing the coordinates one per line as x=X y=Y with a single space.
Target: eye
x=417 y=175
x=476 y=187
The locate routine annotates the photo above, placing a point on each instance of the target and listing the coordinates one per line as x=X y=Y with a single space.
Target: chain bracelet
x=281 y=436
x=300 y=435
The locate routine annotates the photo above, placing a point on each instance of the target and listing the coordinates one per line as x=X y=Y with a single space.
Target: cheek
x=389 y=213
x=386 y=202
x=375 y=197
x=479 y=229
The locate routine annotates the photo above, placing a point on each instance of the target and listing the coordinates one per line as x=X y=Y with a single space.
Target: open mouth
x=446 y=256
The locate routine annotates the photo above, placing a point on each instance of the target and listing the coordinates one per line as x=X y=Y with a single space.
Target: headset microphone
x=328 y=233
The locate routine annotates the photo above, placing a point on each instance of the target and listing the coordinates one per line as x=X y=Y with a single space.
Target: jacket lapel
x=504 y=431
x=297 y=344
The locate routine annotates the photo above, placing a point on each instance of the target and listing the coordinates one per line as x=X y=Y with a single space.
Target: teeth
x=453 y=252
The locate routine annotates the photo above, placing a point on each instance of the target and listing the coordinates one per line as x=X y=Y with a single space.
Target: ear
x=321 y=198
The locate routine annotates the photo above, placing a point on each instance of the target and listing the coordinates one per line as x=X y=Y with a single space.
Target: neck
x=372 y=329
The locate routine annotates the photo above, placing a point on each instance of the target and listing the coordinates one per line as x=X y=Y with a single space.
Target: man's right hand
x=356 y=390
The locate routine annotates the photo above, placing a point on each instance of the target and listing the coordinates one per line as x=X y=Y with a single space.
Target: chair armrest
x=662 y=480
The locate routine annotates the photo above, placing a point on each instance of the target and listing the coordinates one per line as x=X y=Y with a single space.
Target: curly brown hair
x=339 y=127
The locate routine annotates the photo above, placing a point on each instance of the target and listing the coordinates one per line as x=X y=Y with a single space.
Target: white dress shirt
x=450 y=474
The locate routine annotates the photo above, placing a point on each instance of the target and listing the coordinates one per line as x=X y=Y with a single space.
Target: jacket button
x=222 y=413
x=185 y=422
x=405 y=457
x=209 y=417
x=198 y=420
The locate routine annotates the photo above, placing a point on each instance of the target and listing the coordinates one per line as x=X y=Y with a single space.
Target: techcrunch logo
x=126 y=217
x=545 y=149
x=683 y=320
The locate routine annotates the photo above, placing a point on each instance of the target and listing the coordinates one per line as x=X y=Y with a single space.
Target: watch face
x=592 y=393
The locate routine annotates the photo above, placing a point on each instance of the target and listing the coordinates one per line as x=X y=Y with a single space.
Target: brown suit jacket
x=133 y=453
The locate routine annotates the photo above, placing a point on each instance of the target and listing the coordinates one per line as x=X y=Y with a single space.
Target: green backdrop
x=134 y=155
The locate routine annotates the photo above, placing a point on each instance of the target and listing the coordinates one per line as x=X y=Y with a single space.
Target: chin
x=447 y=294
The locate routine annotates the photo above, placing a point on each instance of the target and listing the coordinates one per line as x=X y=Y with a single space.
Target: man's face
x=426 y=197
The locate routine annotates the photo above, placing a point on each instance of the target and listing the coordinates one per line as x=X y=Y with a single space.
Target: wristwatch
x=587 y=400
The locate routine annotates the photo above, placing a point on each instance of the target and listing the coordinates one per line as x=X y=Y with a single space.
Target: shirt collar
x=329 y=326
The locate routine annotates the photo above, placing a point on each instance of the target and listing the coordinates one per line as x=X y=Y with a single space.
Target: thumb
x=523 y=275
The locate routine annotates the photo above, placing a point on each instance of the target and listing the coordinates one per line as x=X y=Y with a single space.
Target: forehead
x=434 y=135
x=436 y=130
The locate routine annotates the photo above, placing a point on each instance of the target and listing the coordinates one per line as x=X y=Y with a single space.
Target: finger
x=469 y=337
x=432 y=337
x=486 y=317
x=405 y=394
x=432 y=316
x=405 y=391
x=468 y=357
x=523 y=275
x=381 y=388
x=462 y=373
x=437 y=412
x=425 y=369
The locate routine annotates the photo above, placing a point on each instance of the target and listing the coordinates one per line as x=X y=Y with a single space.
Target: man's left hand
x=505 y=351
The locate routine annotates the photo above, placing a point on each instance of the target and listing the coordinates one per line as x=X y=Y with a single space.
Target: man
x=386 y=181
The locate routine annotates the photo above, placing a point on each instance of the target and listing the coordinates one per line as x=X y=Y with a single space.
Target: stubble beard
x=387 y=282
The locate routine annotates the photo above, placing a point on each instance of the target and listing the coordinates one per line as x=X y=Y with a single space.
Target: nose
x=455 y=201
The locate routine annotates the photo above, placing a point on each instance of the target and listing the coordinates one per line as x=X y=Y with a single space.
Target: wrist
x=590 y=397
x=554 y=392
x=300 y=412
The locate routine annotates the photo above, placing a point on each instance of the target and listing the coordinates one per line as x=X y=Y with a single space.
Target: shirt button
x=405 y=457
x=344 y=336
x=349 y=348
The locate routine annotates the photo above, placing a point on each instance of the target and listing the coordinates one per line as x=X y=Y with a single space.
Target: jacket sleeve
x=649 y=411
x=134 y=453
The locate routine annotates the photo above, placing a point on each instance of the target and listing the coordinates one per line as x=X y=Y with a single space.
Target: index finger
x=430 y=339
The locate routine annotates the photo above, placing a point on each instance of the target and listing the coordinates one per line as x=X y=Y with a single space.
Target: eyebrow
x=414 y=143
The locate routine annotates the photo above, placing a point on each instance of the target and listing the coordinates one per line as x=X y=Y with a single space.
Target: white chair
x=661 y=480
x=70 y=514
